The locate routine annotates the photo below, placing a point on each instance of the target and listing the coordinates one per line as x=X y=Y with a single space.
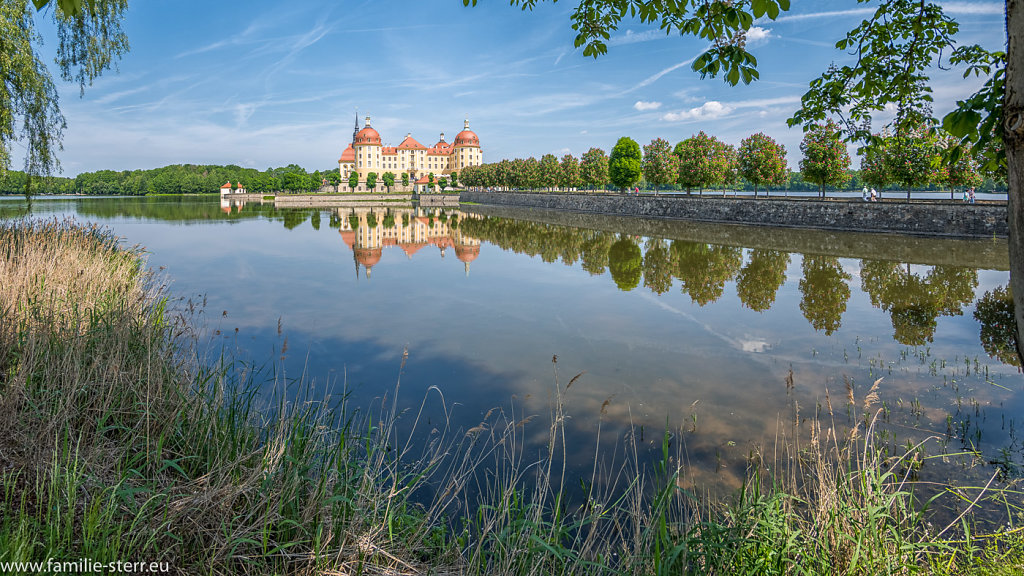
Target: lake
x=731 y=337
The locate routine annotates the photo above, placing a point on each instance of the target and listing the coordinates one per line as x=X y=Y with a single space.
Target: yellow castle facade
x=367 y=231
x=367 y=154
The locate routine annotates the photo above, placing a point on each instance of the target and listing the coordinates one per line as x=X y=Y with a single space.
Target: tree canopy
x=624 y=163
x=825 y=158
x=762 y=161
x=90 y=41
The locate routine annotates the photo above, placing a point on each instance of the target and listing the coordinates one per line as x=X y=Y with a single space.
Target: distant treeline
x=174 y=179
x=205 y=179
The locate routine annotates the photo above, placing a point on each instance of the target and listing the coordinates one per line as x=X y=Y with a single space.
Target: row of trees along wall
x=914 y=162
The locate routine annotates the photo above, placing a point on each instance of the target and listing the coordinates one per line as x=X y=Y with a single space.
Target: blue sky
x=264 y=83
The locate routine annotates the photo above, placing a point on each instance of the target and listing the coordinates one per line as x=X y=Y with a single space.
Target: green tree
x=624 y=163
x=293 y=181
x=405 y=179
x=353 y=180
x=911 y=158
x=594 y=168
x=962 y=171
x=874 y=170
x=549 y=171
x=371 y=181
x=570 y=177
x=762 y=161
x=454 y=179
x=442 y=183
x=825 y=158
x=333 y=177
x=660 y=166
x=389 y=180
x=703 y=162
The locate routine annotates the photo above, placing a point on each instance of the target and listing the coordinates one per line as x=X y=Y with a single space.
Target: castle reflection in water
x=368 y=230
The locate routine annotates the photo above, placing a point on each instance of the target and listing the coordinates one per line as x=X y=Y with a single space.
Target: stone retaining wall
x=985 y=253
x=929 y=219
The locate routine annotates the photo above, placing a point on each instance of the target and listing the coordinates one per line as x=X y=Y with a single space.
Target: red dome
x=368 y=256
x=467 y=253
x=367 y=136
x=467 y=138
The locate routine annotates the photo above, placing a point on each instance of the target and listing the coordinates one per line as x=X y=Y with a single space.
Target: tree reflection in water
x=625 y=263
x=998 y=325
x=657 y=266
x=703 y=269
x=759 y=281
x=914 y=301
x=825 y=292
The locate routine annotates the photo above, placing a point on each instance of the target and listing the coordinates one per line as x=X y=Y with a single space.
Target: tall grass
x=116 y=444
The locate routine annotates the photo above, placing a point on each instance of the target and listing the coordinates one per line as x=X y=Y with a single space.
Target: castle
x=366 y=154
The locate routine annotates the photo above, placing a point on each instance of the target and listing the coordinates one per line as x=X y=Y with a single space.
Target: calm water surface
x=731 y=334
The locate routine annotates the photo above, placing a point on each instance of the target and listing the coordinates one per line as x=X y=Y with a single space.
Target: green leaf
x=758 y=7
x=773 y=10
x=733 y=77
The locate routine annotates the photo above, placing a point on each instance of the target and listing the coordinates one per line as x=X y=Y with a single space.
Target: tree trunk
x=1013 y=137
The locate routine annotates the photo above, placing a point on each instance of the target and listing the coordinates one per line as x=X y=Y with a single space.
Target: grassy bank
x=118 y=445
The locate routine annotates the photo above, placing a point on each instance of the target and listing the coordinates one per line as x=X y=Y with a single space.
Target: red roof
x=423 y=180
x=390 y=150
x=367 y=137
x=348 y=237
x=410 y=143
x=467 y=138
x=228 y=186
x=349 y=155
x=412 y=247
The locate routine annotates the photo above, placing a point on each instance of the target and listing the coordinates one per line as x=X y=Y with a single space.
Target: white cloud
x=758 y=35
x=986 y=8
x=708 y=111
x=830 y=14
x=980 y=8
x=631 y=37
x=656 y=76
x=643 y=106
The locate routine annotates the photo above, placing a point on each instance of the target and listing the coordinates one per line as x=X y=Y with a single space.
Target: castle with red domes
x=366 y=154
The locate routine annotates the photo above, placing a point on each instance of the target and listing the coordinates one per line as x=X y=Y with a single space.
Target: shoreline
x=893 y=217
